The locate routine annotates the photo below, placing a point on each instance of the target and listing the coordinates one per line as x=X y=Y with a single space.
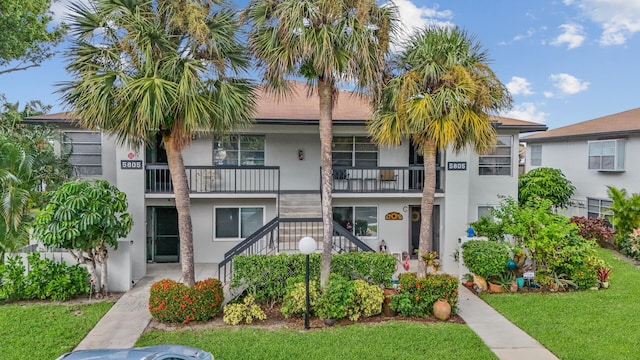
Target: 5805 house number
x=457 y=165
x=130 y=164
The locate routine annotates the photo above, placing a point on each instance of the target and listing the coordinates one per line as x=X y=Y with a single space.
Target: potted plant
x=468 y=280
x=603 y=277
x=429 y=259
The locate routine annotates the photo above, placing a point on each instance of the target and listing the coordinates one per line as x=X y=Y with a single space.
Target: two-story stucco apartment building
x=592 y=154
x=269 y=174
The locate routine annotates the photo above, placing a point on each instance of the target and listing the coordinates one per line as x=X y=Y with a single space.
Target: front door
x=163 y=243
x=415 y=229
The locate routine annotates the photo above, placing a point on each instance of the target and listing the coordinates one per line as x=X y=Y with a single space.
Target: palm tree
x=327 y=42
x=442 y=97
x=143 y=67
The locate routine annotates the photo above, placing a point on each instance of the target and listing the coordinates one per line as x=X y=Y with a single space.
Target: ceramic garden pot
x=442 y=310
x=495 y=288
x=520 y=282
x=386 y=304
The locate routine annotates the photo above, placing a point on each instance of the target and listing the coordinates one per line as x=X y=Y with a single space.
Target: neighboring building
x=592 y=154
x=270 y=174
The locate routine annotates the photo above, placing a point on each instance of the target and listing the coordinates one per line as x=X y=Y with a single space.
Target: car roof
x=143 y=353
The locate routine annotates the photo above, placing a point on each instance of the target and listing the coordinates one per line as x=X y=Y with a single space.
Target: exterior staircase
x=300 y=205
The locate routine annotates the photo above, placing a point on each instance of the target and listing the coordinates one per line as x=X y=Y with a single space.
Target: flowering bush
x=170 y=301
x=630 y=245
x=416 y=296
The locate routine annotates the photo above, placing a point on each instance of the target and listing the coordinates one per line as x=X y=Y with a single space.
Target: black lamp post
x=307 y=246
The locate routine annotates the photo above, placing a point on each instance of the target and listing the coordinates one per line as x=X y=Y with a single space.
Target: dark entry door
x=163 y=243
x=416 y=162
x=415 y=229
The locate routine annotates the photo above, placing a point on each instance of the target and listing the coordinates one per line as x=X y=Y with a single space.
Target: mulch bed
x=275 y=320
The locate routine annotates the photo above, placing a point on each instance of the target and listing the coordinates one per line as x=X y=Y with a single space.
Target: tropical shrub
x=545 y=183
x=46 y=279
x=265 y=276
x=416 y=296
x=337 y=298
x=626 y=213
x=170 y=301
x=367 y=302
x=595 y=229
x=631 y=244
x=485 y=258
x=294 y=303
x=245 y=311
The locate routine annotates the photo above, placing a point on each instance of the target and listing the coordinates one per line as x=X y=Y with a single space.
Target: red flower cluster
x=170 y=301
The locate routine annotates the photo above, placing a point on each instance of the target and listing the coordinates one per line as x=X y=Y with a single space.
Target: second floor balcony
x=408 y=179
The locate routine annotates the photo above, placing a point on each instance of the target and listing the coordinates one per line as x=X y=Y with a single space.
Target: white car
x=159 y=352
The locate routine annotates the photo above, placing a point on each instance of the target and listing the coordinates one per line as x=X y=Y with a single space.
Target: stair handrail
x=253 y=238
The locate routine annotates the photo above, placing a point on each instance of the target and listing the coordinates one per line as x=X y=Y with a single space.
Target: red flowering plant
x=170 y=301
x=416 y=296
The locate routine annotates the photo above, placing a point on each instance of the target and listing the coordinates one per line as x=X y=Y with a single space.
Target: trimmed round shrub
x=368 y=300
x=294 y=303
x=170 y=301
x=485 y=258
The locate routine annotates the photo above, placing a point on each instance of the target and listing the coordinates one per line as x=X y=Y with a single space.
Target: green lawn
x=603 y=324
x=390 y=340
x=45 y=331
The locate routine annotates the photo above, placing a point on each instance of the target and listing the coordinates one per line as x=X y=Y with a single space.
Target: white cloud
x=619 y=19
x=529 y=34
x=413 y=18
x=526 y=111
x=60 y=9
x=568 y=84
x=519 y=86
x=548 y=94
x=572 y=35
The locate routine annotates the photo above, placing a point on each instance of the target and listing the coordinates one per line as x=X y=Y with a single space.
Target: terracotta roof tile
x=616 y=124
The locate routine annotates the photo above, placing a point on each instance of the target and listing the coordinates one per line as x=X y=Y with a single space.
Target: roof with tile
x=620 y=124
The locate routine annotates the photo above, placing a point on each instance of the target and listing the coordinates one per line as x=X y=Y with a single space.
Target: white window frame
x=70 y=145
x=597 y=152
x=221 y=153
x=536 y=155
x=353 y=220
x=490 y=208
x=239 y=208
x=493 y=168
x=355 y=141
x=599 y=207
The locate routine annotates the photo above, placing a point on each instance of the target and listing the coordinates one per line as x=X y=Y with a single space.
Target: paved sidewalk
x=505 y=339
x=123 y=324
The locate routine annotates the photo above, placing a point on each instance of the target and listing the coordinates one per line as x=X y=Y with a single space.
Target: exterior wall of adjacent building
x=571 y=157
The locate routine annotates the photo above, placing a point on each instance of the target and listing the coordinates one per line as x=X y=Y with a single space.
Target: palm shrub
x=626 y=214
x=485 y=258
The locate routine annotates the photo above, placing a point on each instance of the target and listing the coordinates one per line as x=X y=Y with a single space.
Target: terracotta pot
x=513 y=287
x=469 y=283
x=495 y=288
x=386 y=304
x=442 y=310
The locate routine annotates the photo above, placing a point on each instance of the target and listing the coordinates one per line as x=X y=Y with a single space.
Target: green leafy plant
x=416 y=296
x=367 y=301
x=294 y=303
x=336 y=299
x=545 y=183
x=485 y=258
x=597 y=229
x=626 y=212
x=506 y=278
x=170 y=301
x=246 y=311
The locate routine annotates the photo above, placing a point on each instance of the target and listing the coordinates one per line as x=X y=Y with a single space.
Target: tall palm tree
x=143 y=67
x=442 y=96
x=328 y=42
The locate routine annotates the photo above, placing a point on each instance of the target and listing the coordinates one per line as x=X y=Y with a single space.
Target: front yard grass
x=603 y=324
x=36 y=331
x=390 y=340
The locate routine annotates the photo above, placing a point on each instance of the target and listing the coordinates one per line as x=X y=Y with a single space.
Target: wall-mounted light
x=300 y=154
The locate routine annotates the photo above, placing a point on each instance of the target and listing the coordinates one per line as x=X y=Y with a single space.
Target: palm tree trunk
x=426 y=207
x=325 y=93
x=183 y=206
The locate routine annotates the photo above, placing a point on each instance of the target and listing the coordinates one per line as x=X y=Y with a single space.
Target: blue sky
x=564 y=61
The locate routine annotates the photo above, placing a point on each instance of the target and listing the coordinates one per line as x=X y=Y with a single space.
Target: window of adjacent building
x=599 y=208
x=357 y=151
x=498 y=161
x=606 y=155
x=485 y=211
x=237 y=222
x=86 y=151
x=242 y=150
x=536 y=155
x=360 y=220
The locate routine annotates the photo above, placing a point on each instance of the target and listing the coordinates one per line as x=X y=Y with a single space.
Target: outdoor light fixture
x=307 y=246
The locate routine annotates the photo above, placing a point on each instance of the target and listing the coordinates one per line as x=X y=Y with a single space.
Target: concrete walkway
x=128 y=318
x=123 y=324
x=505 y=339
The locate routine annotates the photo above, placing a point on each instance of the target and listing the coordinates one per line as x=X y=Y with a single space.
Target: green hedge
x=485 y=258
x=265 y=275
